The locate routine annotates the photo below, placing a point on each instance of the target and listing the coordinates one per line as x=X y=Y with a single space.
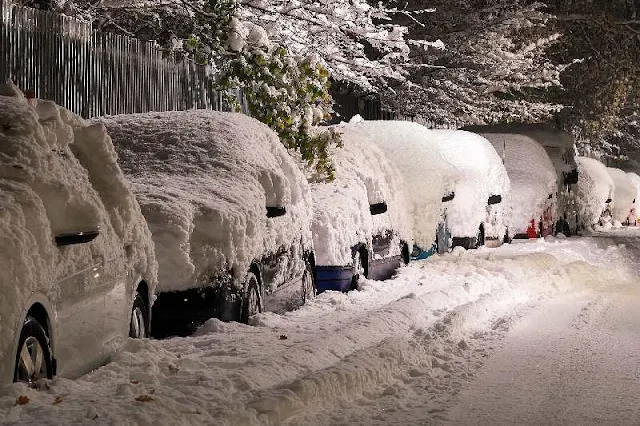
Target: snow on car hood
x=57 y=175
x=595 y=187
x=623 y=196
x=204 y=180
x=421 y=166
x=341 y=208
x=532 y=177
x=480 y=174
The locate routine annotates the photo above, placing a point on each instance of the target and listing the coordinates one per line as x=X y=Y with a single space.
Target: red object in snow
x=531 y=230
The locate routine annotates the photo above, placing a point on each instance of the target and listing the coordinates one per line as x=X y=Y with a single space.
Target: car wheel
x=406 y=255
x=480 y=237
x=33 y=359
x=139 y=325
x=358 y=270
x=309 y=289
x=251 y=302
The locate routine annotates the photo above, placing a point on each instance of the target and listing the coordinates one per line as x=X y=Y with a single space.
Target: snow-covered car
x=427 y=178
x=531 y=204
x=77 y=264
x=594 y=193
x=361 y=224
x=624 y=197
x=635 y=211
x=476 y=214
x=229 y=211
x=559 y=146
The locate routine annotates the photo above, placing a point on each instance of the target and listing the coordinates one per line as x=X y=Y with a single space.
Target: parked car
x=77 y=265
x=624 y=197
x=594 y=193
x=476 y=215
x=559 y=146
x=426 y=176
x=531 y=204
x=633 y=217
x=229 y=211
x=361 y=224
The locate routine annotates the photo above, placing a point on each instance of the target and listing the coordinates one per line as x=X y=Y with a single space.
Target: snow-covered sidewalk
x=433 y=323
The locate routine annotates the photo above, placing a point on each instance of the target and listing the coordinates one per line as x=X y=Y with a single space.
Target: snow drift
x=58 y=174
x=532 y=175
x=342 y=217
x=204 y=180
x=595 y=186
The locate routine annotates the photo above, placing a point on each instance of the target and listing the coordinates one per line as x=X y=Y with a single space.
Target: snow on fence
x=91 y=73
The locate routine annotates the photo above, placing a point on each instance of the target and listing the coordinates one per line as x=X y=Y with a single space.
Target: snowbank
x=480 y=174
x=342 y=216
x=58 y=175
x=532 y=175
x=624 y=195
x=595 y=186
x=427 y=176
x=204 y=180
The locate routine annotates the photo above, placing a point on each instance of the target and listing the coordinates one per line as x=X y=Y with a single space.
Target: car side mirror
x=378 y=208
x=494 y=199
x=81 y=237
x=450 y=196
x=276 y=211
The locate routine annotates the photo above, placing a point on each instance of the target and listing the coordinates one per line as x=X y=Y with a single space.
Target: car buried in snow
x=77 y=264
x=229 y=211
x=360 y=222
x=624 y=197
x=594 y=193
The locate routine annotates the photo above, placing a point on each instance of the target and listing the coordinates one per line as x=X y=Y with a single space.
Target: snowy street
x=536 y=332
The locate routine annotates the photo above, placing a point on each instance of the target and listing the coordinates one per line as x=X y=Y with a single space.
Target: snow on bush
x=425 y=173
x=58 y=175
x=532 y=175
x=479 y=175
x=623 y=196
x=595 y=186
x=204 y=180
x=342 y=216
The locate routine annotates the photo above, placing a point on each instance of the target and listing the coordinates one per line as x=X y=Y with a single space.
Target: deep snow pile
x=340 y=351
x=204 y=180
x=58 y=175
x=480 y=174
x=532 y=175
x=341 y=213
x=623 y=196
x=427 y=176
x=594 y=188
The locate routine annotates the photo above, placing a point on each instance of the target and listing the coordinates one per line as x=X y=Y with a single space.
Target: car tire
x=33 y=358
x=309 y=290
x=406 y=255
x=480 y=237
x=139 y=324
x=251 y=302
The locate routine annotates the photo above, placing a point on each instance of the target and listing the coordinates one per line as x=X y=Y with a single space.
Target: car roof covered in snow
x=204 y=180
x=558 y=143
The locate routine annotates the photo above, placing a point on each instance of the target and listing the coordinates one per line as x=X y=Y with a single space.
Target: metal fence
x=63 y=59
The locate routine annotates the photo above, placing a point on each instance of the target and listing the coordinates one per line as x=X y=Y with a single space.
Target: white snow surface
x=204 y=180
x=623 y=196
x=480 y=174
x=426 y=175
x=58 y=174
x=594 y=187
x=341 y=214
x=342 y=358
x=532 y=177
